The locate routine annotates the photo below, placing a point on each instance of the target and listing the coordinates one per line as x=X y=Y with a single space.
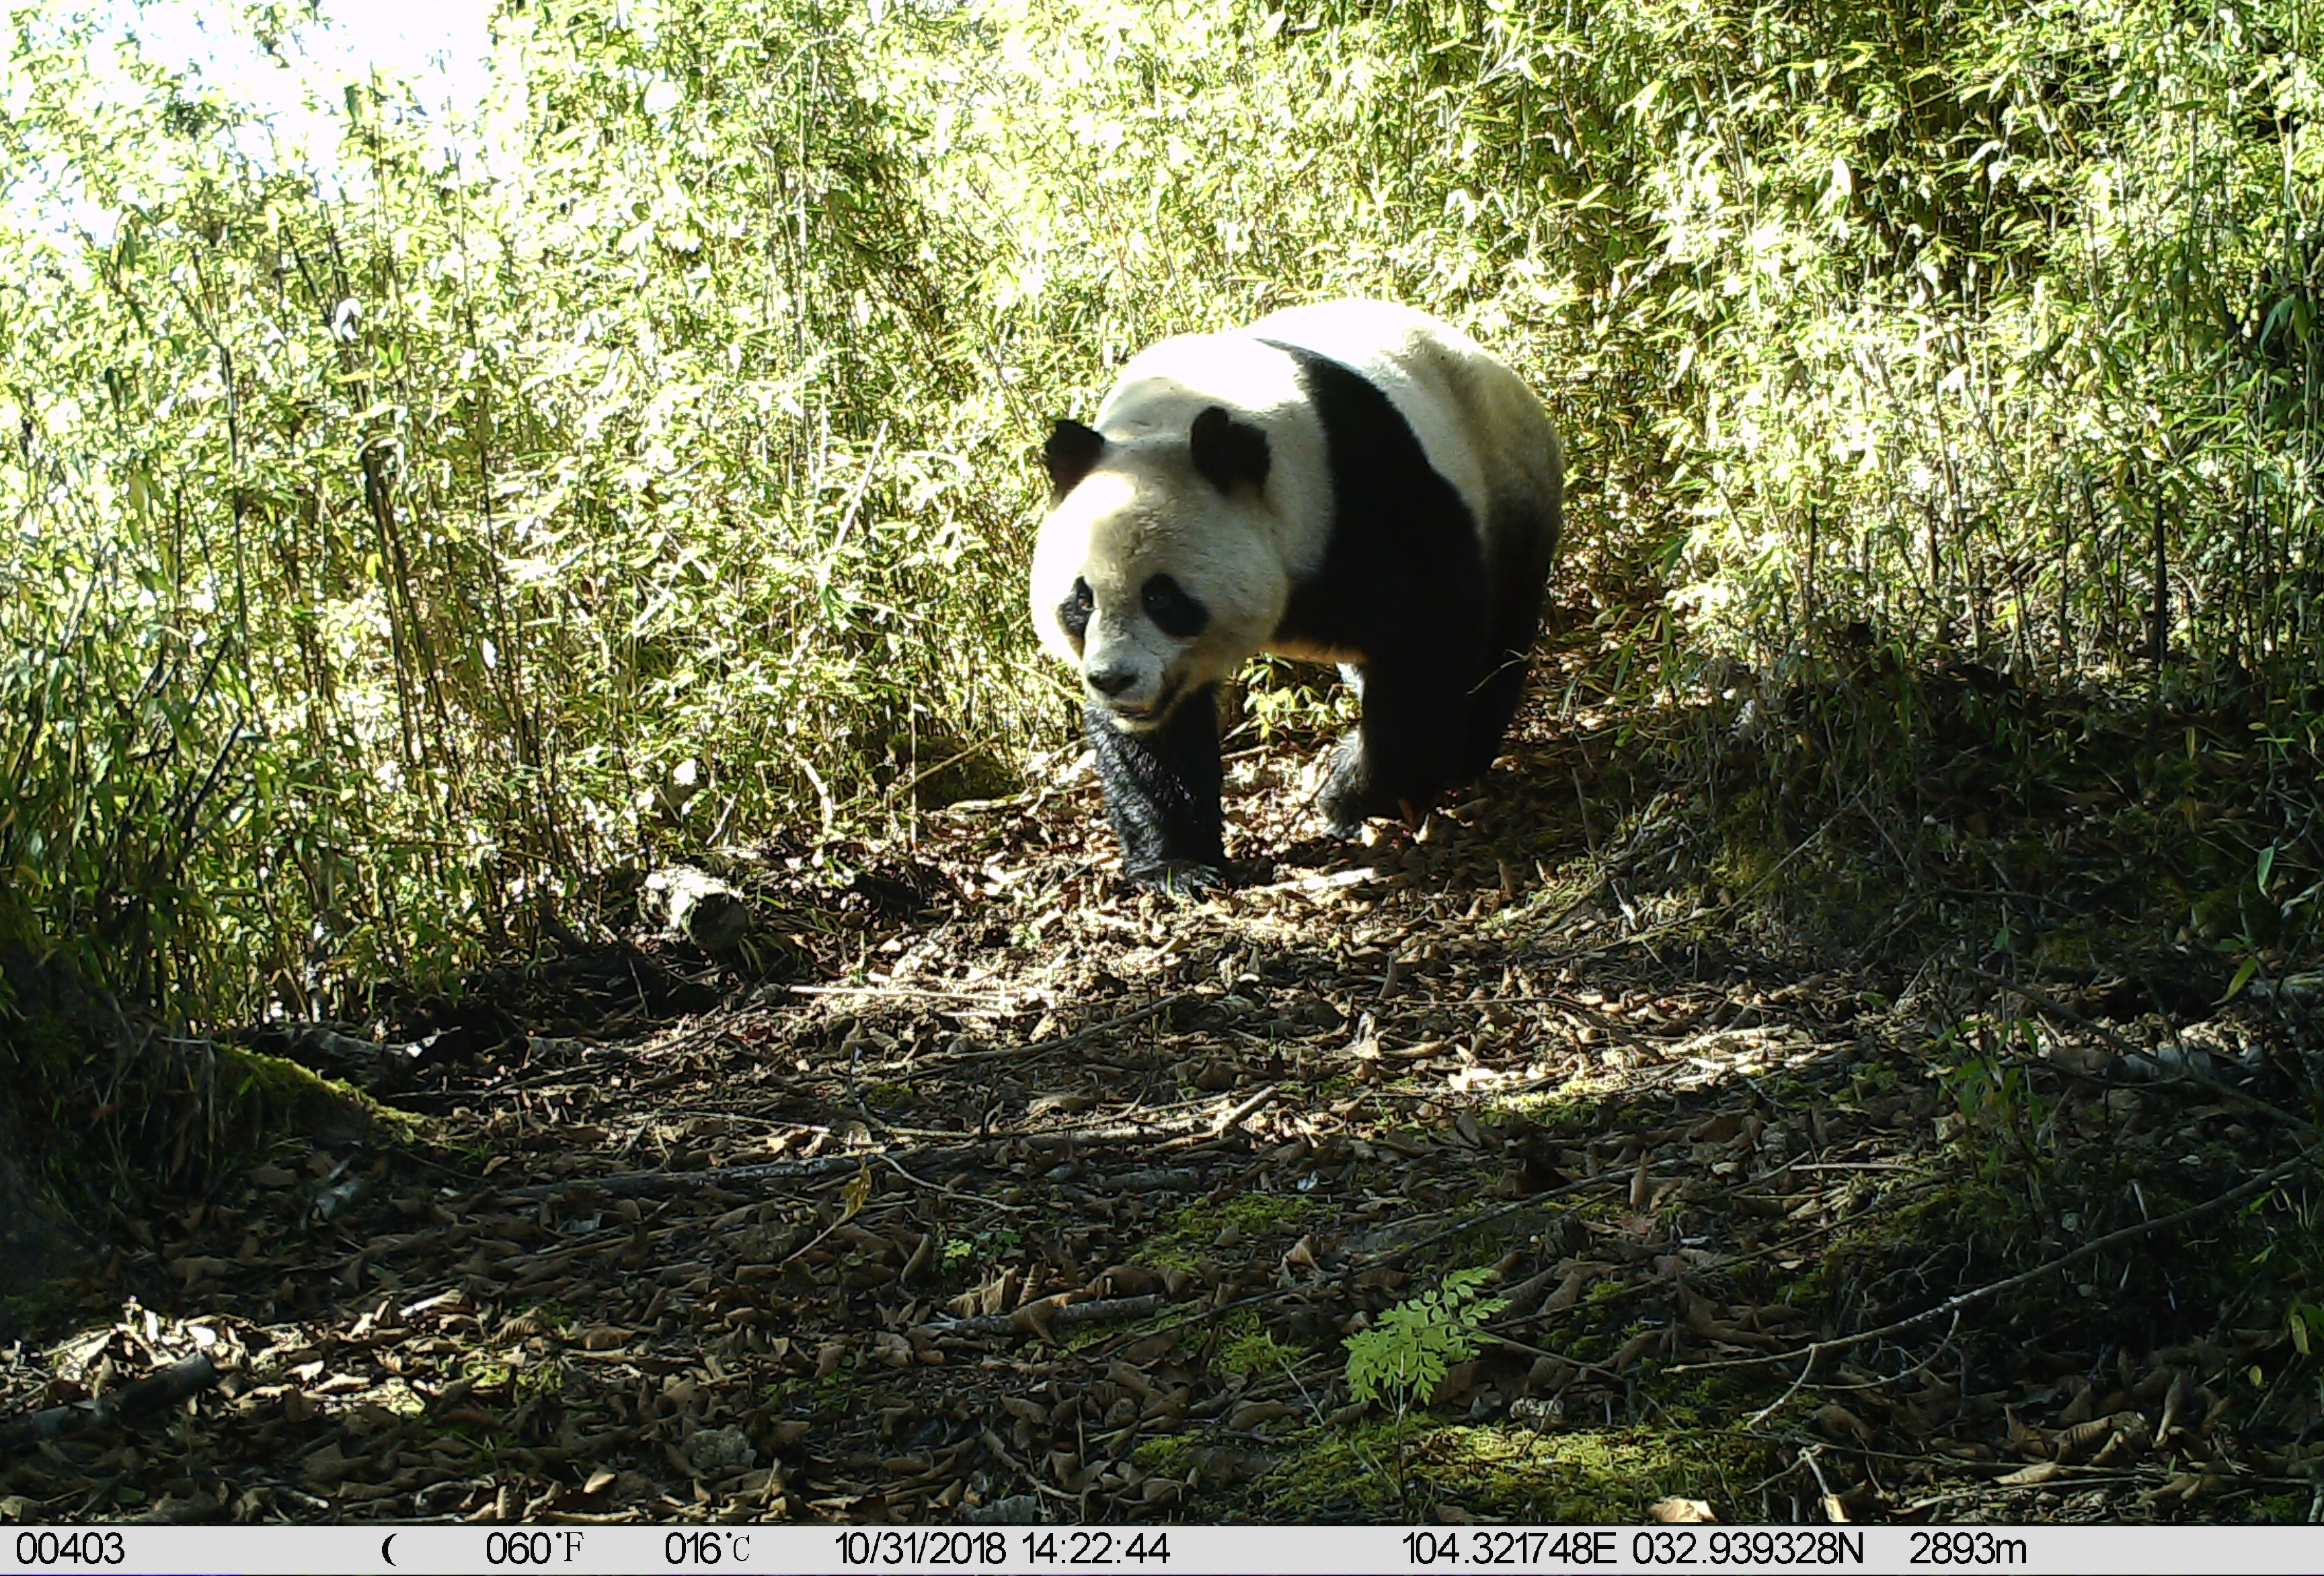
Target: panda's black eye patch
x=1174 y=611
x=1074 y=612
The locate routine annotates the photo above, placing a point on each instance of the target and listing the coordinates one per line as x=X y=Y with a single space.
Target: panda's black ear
x=1229 y=451
x=1069 y=454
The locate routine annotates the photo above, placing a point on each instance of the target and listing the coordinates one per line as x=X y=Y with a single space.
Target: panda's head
x=1154 y=574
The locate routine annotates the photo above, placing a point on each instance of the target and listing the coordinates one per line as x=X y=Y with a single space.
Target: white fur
x=1481 y=428
x=1144 y=510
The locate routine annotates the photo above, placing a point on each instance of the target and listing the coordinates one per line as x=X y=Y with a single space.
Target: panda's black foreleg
x=1162 y=793
x=1405 y=751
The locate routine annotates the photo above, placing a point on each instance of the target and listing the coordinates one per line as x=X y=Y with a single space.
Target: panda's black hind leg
x=1162 y=795
x=1401 y=757
x=1494 y=706
x=1516 y=622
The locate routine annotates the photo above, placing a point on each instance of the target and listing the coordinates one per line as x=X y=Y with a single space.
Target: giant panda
x=1353 y=483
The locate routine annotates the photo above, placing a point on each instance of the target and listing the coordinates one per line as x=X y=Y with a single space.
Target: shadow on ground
x=1021 y=1198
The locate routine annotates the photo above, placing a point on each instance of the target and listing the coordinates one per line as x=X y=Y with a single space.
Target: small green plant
x=1406 y=1355
x=2000 y=1106
x=2303 y=1321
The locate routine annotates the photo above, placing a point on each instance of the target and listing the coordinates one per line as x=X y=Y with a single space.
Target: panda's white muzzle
x=1110 y=682
x=1138 y=713
x=1127 y=667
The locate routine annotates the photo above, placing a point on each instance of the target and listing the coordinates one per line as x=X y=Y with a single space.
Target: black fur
x=1525 y=545
x=1068 y=454
x=1172 y=611
x=1445 y=635
x=1162 y=790
x=1074 y=613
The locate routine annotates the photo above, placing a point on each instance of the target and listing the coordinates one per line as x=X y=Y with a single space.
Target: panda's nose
x=1112 y=681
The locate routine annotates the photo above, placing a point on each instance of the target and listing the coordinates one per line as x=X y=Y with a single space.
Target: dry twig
x=1815 y=1348
x=172 y=1384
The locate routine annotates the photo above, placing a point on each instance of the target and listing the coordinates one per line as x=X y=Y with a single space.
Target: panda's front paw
x=1343 y=804
x=1345 y=791
x=1185 y=879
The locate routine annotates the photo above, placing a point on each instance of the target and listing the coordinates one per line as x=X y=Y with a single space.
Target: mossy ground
x=1408 y=1469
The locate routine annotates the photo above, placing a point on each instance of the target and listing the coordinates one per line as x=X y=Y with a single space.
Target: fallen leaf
x=2038 y=1472
x=1678 y=1512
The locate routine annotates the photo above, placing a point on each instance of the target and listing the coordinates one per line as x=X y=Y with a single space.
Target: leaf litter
x=972 y=1186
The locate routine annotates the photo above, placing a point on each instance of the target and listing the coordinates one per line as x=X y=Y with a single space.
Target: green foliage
x=641 y=460
x=387 y=557
x=1406 y=1355
x=2006 y=1120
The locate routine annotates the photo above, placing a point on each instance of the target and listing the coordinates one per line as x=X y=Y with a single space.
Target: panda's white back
x=1480 y=426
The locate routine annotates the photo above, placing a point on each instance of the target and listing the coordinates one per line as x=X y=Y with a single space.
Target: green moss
x=191 y=1114
x=50 y=1306
x=1871 y=1078
x=966 y=1259
x=1195 y=1228
x=889 y=1096
x=1246 y=1348
x=1583 y=1102
x=830 y=1392
x=540 y=1378
x=1167 y=1455
x=1586 y=1477
x=488 y=1373
x=278 y=1091
x=1381 y=1469
x=2073 y=949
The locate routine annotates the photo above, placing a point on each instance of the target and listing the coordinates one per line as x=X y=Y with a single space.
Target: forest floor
x=1022 y=1197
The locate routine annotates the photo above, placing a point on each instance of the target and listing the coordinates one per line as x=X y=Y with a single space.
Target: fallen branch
x=1471 y=1222
x=1040 y=1317
x=629 y=1184
x=1062 y=1042
x=1329 y=882
x=1236 y=1116
x=1959 y=1300
x=905 y=993
x=323 y=1049
x=170 y=1385
x=2139 y=1056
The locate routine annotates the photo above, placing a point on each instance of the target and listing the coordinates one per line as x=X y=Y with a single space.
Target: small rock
x=712 y=1450
x=1015 y=1510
